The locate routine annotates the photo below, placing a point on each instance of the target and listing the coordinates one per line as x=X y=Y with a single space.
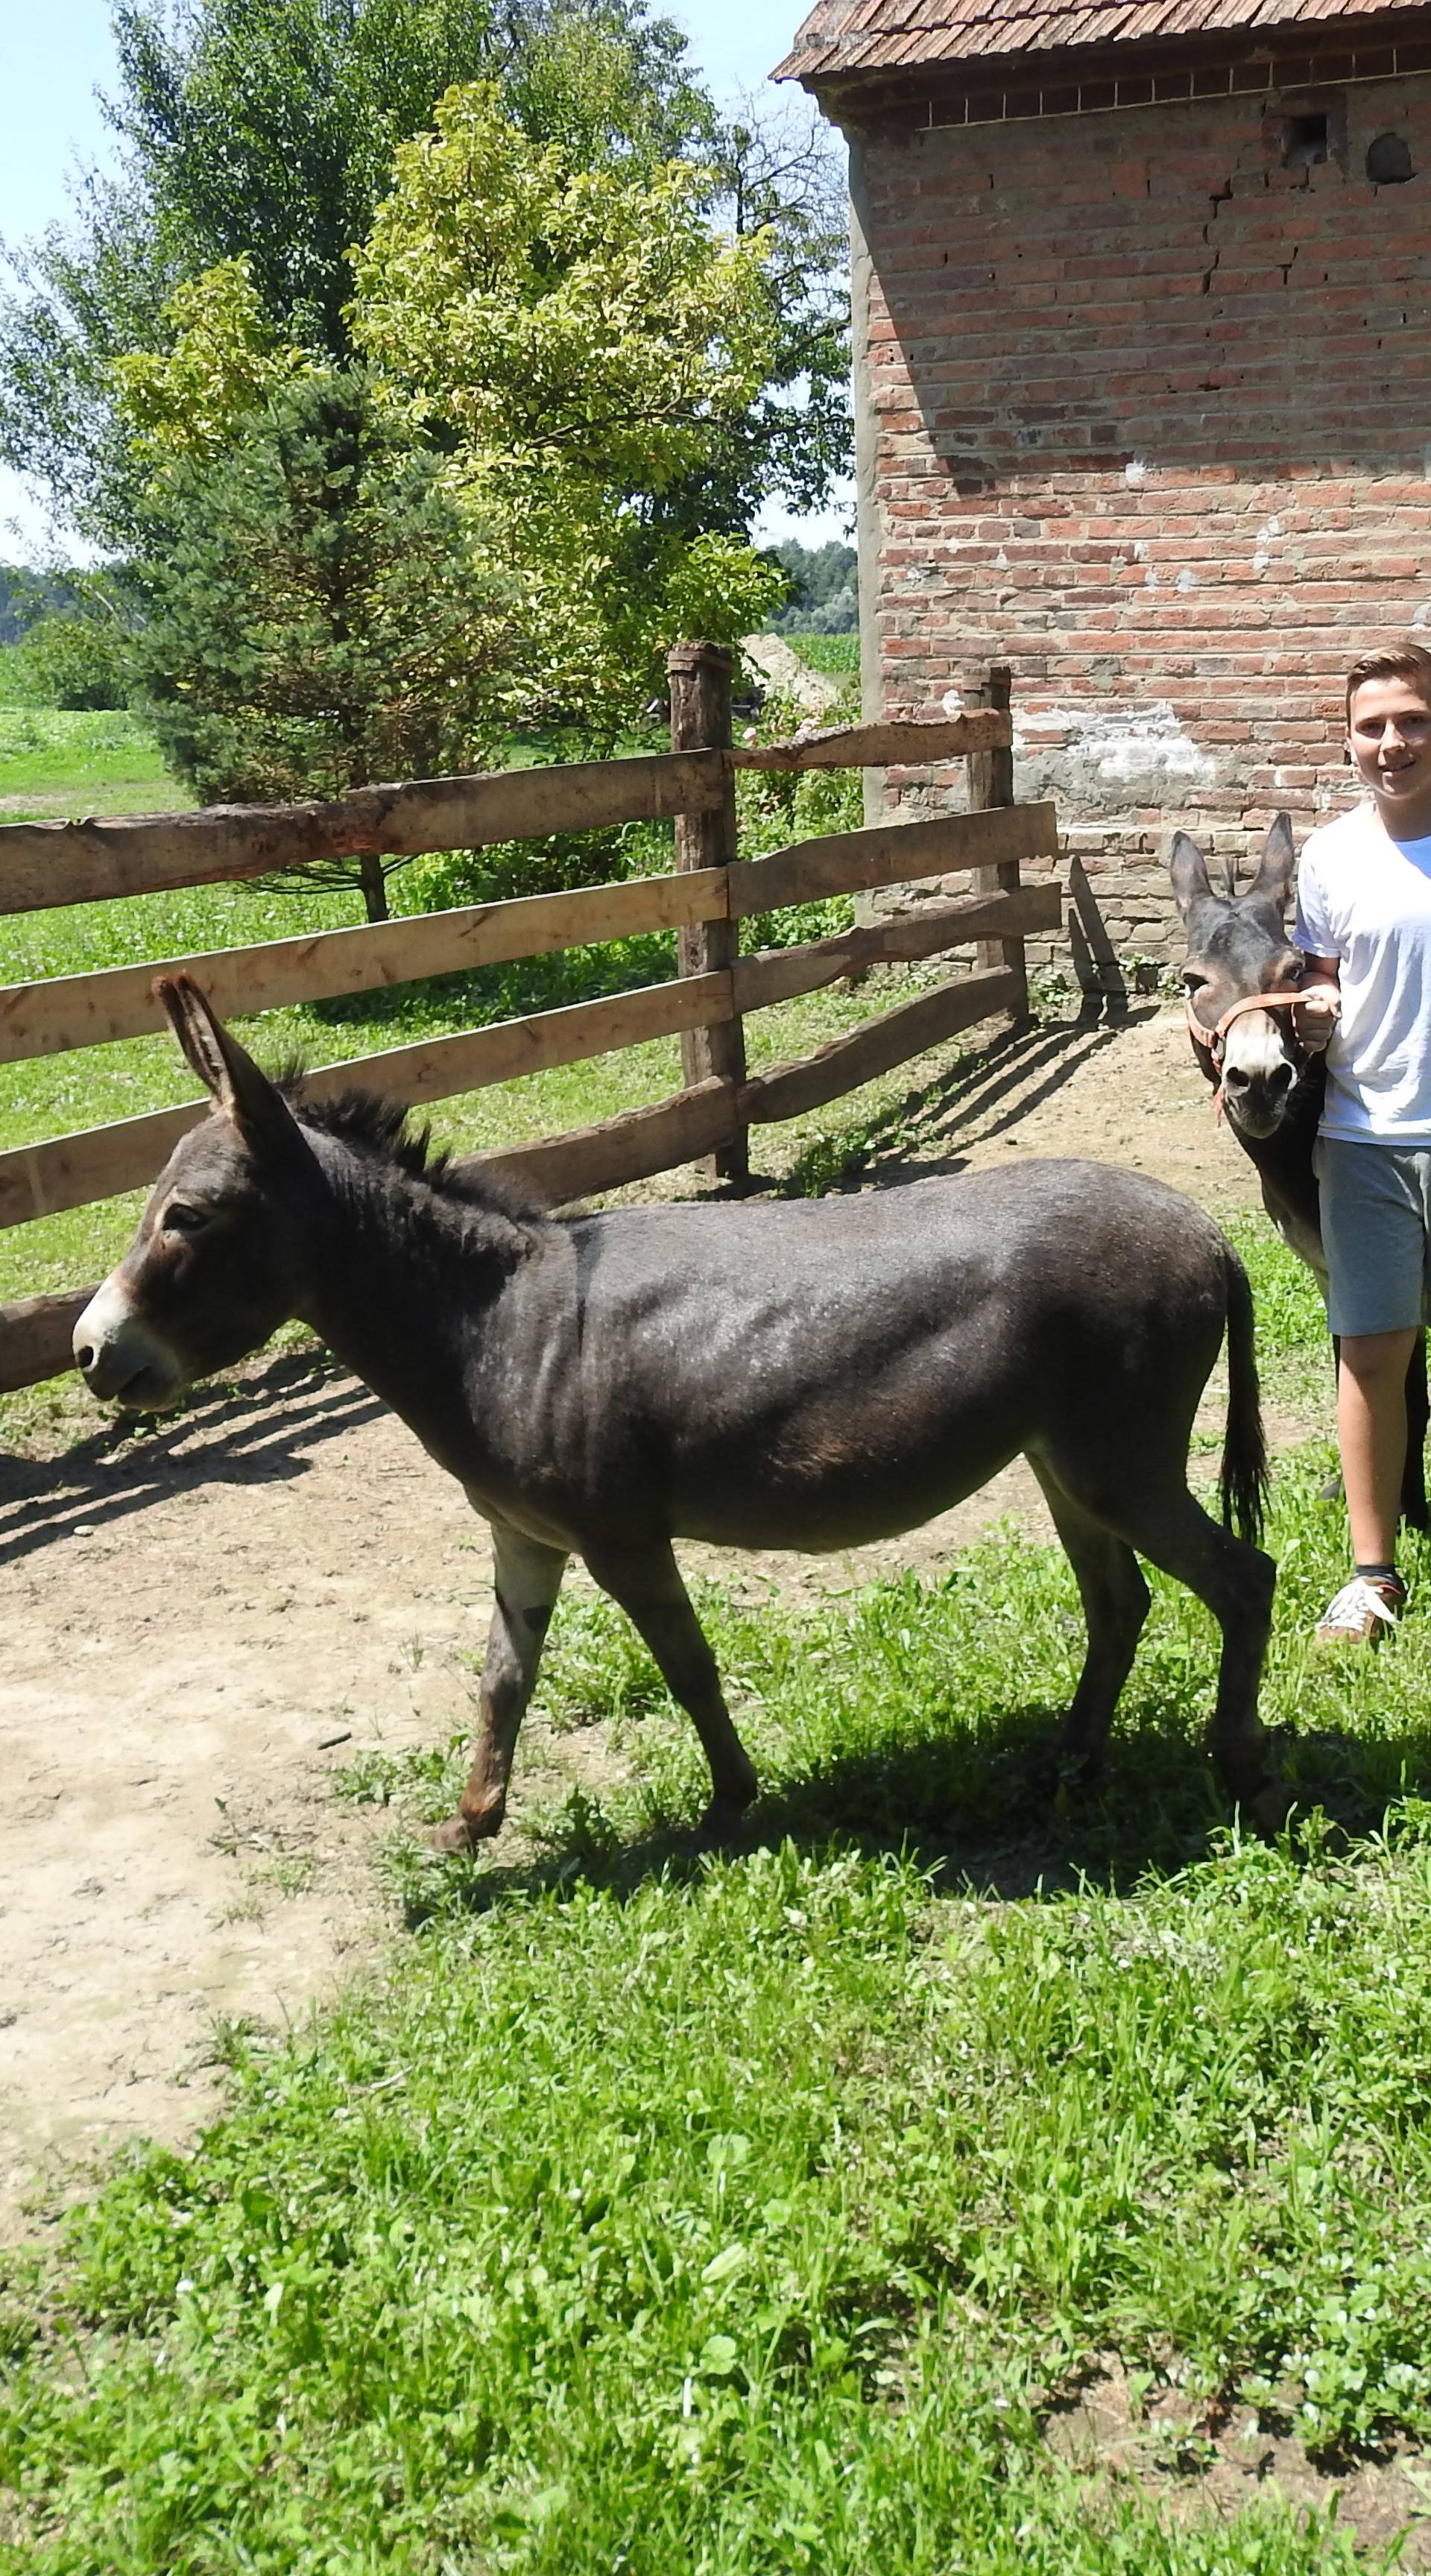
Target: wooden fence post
x=700 y=677
x=991 y=782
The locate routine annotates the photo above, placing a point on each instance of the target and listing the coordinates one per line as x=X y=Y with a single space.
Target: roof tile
x=842 y=36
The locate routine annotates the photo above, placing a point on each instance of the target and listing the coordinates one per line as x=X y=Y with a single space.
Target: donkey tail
x=1242 y=1482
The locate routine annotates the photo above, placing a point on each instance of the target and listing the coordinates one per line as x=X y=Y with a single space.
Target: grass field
x=54 y=764
x=757 y=2213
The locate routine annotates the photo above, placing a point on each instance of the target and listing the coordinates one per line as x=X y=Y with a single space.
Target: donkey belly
x=881 y=1461
x=844 y=1512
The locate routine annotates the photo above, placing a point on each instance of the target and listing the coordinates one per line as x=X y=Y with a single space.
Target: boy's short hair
x=1409 y=662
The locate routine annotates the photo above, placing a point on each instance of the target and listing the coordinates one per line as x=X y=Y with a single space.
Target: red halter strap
x=1214 y=1040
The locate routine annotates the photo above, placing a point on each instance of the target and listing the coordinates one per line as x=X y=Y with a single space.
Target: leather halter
x=1214 y=1040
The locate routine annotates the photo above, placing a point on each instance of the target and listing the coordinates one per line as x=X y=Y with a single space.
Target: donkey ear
x=1188 y=869
x=239 y=1090
x=1279 y=858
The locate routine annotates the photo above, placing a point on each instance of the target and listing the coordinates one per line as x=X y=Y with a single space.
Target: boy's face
x=1389 y=739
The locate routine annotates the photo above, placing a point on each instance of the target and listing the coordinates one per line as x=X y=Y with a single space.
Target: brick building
x=1143 y=393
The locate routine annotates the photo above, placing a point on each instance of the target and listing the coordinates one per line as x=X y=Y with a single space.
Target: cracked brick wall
x=1147 y=414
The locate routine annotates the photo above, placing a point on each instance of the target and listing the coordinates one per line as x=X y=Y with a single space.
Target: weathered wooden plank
x=777 y=974
x=884 y=853
x=700 y=682
x=118 y=1001
x=991 y=785
x=904 y=744
x=874 y=1049
x=35 y=1335
x=101 y=1162
x=91 y=861
x=632 y=1147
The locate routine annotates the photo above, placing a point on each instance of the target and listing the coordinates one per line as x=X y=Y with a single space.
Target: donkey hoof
x=454 y=1835
x=721 y=1822
x=1061 y=1780
x=1265 y=1808
x=462 y=1832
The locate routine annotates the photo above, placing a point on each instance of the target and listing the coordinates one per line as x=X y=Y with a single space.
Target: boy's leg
x=1371 y=1431
x=1374 y=1231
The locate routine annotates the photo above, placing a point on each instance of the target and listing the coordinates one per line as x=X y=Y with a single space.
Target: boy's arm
x=1315 y=1016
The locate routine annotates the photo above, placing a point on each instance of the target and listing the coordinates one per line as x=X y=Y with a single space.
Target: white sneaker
x=1361 y=1613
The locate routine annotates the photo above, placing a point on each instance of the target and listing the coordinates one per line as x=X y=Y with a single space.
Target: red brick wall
x=1149 y=417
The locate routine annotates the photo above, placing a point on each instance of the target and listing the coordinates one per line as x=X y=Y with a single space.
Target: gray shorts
x=1376 y=1233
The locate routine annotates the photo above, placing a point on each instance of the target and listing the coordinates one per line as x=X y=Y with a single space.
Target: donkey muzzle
x=121 y=1359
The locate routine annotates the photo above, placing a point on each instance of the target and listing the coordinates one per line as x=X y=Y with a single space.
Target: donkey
x=807 y=1374
x=1241 y=979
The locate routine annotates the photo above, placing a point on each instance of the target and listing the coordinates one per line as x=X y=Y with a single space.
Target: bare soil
x=1154 y=2440
x=201 y=1622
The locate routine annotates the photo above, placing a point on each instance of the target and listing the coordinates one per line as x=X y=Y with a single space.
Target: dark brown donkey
x=799 y=1374
x=1240 y=958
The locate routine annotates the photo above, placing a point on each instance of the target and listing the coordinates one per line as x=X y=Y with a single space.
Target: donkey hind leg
x=649 y=1589
x=1157 y=1515
x=528 y=1579
x=1115 y=1605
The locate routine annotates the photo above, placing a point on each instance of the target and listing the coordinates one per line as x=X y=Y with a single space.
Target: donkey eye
x=181 y=1219
x=1193 y=982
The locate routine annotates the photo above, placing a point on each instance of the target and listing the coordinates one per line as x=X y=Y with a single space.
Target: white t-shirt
x=1366 y=900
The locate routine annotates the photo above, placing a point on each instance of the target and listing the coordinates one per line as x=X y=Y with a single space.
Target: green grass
x=837 y=654
x=748 y=2214
x=53 y=764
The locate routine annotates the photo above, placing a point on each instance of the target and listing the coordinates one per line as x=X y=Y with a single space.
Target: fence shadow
x=987 y=1094
x=259 y=1431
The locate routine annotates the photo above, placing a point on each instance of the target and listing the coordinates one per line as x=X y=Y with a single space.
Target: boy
x=1364 y=924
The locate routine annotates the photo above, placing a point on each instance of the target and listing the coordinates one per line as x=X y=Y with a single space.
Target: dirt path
x=199 y=1625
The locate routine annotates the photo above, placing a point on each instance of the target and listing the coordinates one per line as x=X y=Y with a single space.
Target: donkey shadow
x=997 y=1823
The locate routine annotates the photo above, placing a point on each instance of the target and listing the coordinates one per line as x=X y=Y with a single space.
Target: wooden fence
x=705 y=901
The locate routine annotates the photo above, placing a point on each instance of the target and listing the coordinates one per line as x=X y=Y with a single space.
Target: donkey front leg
x=650 y=1591
x=528 y=1579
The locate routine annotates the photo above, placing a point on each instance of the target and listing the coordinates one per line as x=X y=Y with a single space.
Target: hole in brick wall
x=1388 y=160
x=1305 y=140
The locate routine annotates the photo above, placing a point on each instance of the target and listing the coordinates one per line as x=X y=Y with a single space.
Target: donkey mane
x=379 y=1130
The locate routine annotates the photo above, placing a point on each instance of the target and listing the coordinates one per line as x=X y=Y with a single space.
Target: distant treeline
x=824 y=599
x=26 y=597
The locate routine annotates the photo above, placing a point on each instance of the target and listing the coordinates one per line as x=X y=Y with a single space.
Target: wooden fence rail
x=92 y=862
x=704 y=903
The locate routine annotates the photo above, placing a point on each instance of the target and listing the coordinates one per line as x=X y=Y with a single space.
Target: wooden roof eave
x=885 y=93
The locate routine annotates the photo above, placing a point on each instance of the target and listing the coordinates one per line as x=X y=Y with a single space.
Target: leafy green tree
x=75 y=661
x=779 y=173
x=326 y=614
x=552 y=347
x=264 y=130
x=583 y=339
x=824 y=589
x=26 y=596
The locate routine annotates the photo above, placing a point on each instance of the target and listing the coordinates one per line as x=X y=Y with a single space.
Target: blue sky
x=55 y=58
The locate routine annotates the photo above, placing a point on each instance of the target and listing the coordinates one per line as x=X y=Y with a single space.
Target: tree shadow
x=990 y=1816
x=257 y=1430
